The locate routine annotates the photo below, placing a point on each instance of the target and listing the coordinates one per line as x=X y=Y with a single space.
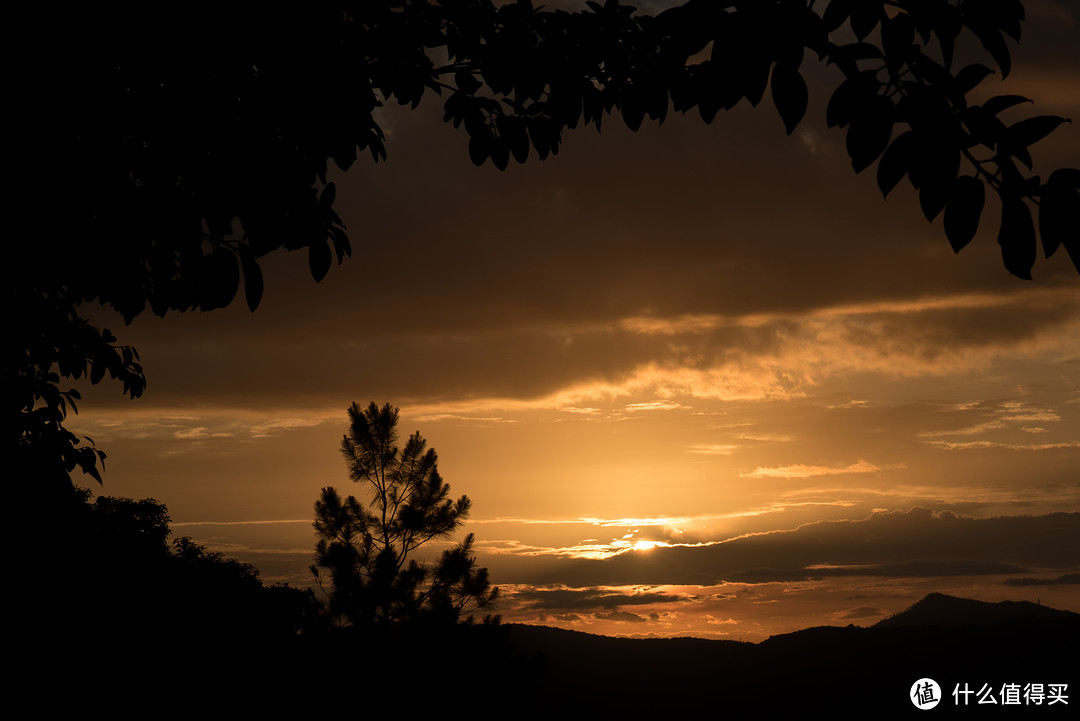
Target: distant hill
x=864 y=672
x=939 y=610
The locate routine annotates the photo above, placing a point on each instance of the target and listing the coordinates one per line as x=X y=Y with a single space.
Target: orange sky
x=717 y=338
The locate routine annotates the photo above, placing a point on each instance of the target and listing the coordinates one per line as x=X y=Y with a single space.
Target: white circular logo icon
x=925 y=693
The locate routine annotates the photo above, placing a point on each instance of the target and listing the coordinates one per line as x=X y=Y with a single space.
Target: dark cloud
x=334 y=354
x=911 y=544
x=912 y=569
x=1064 y=580
x=861 y=612
x=621 y=617
x=584 y=599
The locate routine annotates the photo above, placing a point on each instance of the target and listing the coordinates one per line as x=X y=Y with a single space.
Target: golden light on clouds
x=805 y=471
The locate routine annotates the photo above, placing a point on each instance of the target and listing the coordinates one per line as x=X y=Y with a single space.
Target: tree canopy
x=193 y=160
x=368 y=546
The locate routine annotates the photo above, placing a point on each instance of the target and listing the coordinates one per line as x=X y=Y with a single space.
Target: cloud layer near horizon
x=916 y=543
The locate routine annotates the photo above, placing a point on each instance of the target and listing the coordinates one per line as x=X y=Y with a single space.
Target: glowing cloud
x=804 y=471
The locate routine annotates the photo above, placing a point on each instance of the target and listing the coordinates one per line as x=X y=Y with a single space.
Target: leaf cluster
x=905 y=106
x=56 y=343
x=522 y=75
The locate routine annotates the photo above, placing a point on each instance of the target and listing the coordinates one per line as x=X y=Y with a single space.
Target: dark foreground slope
x=845 y=672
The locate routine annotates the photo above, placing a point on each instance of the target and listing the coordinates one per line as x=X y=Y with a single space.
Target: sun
x=643 y=545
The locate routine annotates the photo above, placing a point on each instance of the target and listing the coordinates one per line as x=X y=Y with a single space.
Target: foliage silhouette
x=194 y=165
x=136 y=618
x=116 y=552
x=368 y=548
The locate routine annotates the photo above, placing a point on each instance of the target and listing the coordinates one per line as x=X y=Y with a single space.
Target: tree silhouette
x=106 y=583
x=367 y=546
x=193 y=165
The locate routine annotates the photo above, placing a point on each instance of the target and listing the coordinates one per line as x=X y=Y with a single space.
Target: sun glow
x=643 y=545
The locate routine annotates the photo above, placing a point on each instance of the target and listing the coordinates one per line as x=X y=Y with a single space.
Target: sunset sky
x=696 y=380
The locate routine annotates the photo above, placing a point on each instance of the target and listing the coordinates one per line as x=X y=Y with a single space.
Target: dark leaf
x=1065 y=177
x=836 y=13
x=963 y=212
x=865 y=15
x=1009 y=15
x=970 y=76
x=984 y=127
x=222 y=279
x=479 y=148
x=756 y=77
x=518 y=139
x=500 y=153
x=253 y=281
x=467 y=82
x=1072 y=247
x=1031 y=130
x=1002 y=102
x=932 y=199
x=847 y=56
x=895 y=162
x=841 y=105
x=633 y=109
x=995 y=45
x=849 y=97
x=947 y=26
x=1059 y=220
x=319 y=259
x=897 y=37
x=326 y=199
x=342 y=246
x=870 y=132
x=789 y=95
x=1017 y=238
x=345 y=156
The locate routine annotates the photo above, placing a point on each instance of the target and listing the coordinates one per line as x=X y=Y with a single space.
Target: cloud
x=570 y=364
x=197 y=432
x=911 y=569
x=714 y=449
x=431 y=417
x=264 y=430
x=805 y=471
x=655 y=406
x=766 y=437
x=712 y=621
x=621 y=617
x=967 y=431
x=968 y=445
x=1067 y=579
x=584 y=599
x=861 y=612
x=889 y=544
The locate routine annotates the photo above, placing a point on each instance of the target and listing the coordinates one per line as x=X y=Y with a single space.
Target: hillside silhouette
x=851 y=670
x=938 y=609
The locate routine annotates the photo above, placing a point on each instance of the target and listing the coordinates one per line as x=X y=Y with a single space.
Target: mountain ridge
x=854 y=668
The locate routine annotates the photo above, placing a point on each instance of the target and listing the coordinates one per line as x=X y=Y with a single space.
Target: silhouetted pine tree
x=366 y=546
